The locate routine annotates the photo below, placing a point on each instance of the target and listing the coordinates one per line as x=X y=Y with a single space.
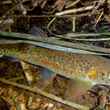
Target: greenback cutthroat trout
x=70 y=65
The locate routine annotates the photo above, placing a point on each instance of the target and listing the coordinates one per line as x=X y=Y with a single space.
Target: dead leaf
x=59 y=4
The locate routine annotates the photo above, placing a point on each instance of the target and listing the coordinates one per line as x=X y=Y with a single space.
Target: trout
x=86 y=67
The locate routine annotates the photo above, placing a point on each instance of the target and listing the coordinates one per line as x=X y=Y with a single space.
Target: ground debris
x=48 y=18
x=20 y=98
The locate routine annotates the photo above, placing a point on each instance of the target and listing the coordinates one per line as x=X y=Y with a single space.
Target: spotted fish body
x=80 y=66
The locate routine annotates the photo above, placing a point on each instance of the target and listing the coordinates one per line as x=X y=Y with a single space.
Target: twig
x=49 y=24
x=42 y=93
x=72 y=11
x=78 y=35
x=93 y=39
x=16 y=78
x=55 y=43
x=99 y=18
x=47 y=16
x=74 y=23
x=6 y=2
x=27 y=72
x=72 y=4
x=98 y=5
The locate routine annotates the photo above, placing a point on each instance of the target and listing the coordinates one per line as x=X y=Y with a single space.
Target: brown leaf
x=59 y=4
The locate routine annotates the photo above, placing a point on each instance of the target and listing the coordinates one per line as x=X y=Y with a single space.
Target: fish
x=81 y=67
